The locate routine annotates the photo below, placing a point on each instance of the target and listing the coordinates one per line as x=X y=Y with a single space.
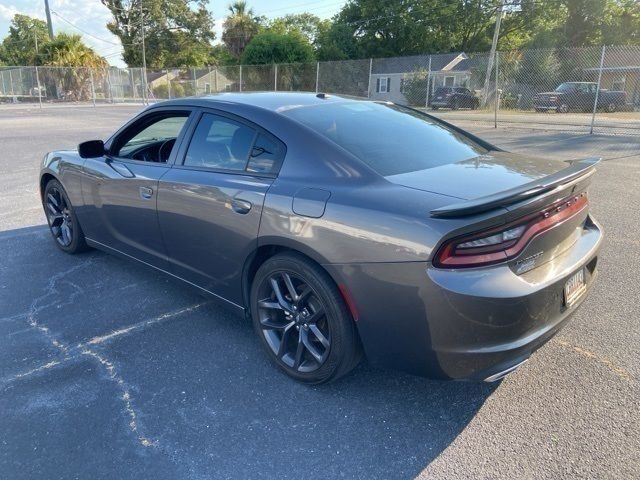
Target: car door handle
x=240 y=206
x=146 y=192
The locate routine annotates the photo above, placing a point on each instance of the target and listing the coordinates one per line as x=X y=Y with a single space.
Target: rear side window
x=389 y=138
x=265 y=155
x=220 y=143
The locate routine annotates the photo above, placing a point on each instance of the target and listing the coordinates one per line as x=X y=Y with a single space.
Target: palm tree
x=239 y=27
x=67 y=50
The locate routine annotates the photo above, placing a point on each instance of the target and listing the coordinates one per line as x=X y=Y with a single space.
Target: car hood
x=479 y=176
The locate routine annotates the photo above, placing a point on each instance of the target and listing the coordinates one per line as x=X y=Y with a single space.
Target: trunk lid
x=516 y=191
x=480 y=176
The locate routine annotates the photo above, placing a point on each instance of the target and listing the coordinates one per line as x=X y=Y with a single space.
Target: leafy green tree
x=335 y=41
x=239 y=27
x=270 y=47
x=178 y=33
x=220 y=55
x=19 y=47
x=621 y=25
x=305 y=23
x=68 y=50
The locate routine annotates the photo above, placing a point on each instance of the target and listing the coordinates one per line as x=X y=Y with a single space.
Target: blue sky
x=91 y=16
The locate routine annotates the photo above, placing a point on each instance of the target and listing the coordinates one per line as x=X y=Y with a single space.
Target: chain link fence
x=580 y=89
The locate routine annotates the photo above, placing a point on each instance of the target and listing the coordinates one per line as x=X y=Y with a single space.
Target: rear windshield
x=389 y=138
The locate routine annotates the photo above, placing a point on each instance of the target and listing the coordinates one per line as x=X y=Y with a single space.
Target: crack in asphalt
x=583 y=352
x=141 y=325
x=83 y=348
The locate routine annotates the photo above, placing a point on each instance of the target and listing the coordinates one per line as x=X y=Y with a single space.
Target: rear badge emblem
x=528 y=263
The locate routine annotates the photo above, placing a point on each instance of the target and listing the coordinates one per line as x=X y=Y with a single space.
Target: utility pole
x=49 y=24
x=494 y=45
x=144 y=58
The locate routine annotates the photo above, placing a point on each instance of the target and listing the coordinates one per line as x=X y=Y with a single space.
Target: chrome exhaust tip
x=500 y=375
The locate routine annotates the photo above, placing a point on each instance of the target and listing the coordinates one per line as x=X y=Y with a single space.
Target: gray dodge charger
x=343 y=228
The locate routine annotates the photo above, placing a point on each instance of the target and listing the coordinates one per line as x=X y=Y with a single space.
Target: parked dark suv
x=579 y=96
x=454 y=98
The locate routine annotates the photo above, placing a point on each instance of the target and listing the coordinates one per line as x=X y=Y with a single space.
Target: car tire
x=302 y=320
x=62 y=220
x=539 y=110
x=564 y=108
x=611 y=107
x=434 y=108
x=455 y=105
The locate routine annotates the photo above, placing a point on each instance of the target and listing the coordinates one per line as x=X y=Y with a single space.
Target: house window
x=383 y=84
x=619 y=84
x=449 y=81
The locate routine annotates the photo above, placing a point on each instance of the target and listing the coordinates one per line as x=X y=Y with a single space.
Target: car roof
x=273 y=101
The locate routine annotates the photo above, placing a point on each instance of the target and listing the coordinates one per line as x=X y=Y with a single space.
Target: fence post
x=168 y=86
x=496 y=94
x=426 y=102
x=108 y=70
x=595 y=102
x=93 y=90
x=369 y=82
x=39 y=88
x=11 y=82
x=275 y=77
x=215 y=79
x=133 y=85
x=317 y=75
x=240 y=83
x=195 y=81
x=145 y=94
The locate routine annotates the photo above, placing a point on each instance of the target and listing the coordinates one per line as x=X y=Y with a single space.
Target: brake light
x=507 y=241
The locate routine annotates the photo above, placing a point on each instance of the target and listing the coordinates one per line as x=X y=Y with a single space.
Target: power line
x=82 y=30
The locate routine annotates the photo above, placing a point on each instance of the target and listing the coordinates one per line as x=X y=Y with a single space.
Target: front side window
x=388 y=138
x=220 y=143
x=152 y=138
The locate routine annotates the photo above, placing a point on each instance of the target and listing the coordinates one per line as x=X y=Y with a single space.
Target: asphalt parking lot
x=110 y=370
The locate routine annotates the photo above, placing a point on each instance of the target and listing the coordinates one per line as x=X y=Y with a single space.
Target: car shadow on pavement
x=181 y=382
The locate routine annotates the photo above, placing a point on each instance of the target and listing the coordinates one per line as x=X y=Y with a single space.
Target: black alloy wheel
x=302 y=320
x=61 y=218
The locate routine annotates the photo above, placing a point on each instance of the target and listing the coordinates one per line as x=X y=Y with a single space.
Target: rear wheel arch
x=266 y=251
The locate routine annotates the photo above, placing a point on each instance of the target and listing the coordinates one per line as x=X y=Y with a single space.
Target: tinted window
x=265 y=155
x=442 y=90
x=152 y=138
x=219 y=143
x=389 y=138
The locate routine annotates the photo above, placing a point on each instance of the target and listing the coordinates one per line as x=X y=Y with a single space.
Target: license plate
x=574 y=288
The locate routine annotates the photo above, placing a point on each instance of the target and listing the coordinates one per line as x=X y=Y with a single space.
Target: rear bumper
x=545 y=105
x=463 y=324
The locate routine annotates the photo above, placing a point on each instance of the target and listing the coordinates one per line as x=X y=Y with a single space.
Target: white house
x=389 y=76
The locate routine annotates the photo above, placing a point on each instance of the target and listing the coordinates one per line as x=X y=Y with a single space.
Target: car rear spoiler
x=578 y=170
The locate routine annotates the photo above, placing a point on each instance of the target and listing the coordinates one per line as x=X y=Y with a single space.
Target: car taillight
x=507 y=241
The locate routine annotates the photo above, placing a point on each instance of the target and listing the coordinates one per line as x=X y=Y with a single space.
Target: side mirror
x=91 y=149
